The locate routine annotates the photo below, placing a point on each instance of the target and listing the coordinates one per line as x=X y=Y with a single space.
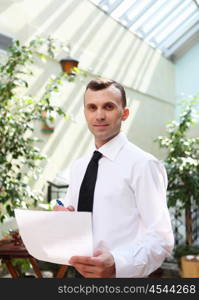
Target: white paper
x=55 y=236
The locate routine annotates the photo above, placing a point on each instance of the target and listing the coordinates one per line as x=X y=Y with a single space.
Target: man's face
x=104 y=113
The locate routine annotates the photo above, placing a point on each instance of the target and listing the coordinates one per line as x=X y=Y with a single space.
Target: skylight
x=164 y=24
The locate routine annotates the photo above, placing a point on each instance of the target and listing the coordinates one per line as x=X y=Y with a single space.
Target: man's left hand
x=100 y=265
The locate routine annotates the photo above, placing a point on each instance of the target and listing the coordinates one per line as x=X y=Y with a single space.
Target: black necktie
x=86 y=193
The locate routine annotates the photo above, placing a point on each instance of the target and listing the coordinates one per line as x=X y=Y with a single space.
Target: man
x=131 y=225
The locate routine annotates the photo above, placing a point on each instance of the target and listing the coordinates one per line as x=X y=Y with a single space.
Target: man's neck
x=100 y=143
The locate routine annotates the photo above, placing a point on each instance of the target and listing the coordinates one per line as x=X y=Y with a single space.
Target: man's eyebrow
x=90 y=104
x=109 y=102
x=105 y=103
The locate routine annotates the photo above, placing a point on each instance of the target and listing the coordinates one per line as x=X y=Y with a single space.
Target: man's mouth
x=100 y=125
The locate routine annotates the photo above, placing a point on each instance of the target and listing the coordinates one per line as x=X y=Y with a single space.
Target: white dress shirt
x=130 y=214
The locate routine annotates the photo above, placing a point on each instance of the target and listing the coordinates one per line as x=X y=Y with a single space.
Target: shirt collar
x=112 y=147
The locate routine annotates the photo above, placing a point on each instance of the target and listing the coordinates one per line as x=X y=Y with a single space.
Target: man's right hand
x=61 y=208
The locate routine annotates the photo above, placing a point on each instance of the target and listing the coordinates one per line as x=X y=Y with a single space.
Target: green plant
x=21 y=265
x=184 y=250
x=19 y=158
x=182 y=164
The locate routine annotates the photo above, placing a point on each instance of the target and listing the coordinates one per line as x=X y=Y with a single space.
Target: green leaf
x=19 y=158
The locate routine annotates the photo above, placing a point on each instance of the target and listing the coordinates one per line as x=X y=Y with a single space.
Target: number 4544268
x=173 y=289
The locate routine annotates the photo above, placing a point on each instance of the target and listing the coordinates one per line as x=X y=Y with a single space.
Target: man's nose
x=100 y=114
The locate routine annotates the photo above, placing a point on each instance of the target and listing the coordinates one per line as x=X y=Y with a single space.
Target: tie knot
x=96 y=156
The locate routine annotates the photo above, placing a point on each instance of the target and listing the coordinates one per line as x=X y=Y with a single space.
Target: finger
x=88 y=274
x=60 y=208
x=70 y=208
x=91 y=275
x=85 y=260
x=98 y=261
x=80 y=269
x=97 y=252
x=87 y=271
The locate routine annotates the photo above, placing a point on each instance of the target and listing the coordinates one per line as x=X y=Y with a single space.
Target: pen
x=59 y=203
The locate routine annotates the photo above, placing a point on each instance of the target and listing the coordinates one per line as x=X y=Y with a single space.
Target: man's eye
x=109 y=106
x=92 y=107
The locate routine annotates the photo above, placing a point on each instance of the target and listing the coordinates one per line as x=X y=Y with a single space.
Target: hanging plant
x=19 y=158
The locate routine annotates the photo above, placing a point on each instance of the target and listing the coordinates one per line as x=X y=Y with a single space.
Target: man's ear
x=125 y=114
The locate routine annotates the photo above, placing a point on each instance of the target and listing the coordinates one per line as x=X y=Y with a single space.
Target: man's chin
x=104 y=137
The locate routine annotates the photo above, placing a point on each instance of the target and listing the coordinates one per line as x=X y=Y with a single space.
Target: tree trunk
x=188 y=224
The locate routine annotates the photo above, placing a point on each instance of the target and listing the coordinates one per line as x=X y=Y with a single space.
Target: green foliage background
x=182 y=163
x=19 y=158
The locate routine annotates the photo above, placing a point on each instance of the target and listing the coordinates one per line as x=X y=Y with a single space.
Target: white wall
x=103 y=47
x=187 y=73
x=187 y=79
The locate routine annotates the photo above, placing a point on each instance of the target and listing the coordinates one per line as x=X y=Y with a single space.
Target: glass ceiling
x=164 y=24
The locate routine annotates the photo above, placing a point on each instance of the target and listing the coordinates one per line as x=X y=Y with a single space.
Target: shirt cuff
x=124 y=267
x=139 y=261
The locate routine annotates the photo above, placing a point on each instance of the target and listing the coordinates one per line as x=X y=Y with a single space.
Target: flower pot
x=190 y=266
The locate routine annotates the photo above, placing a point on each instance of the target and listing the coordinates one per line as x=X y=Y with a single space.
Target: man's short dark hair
x=103 y=83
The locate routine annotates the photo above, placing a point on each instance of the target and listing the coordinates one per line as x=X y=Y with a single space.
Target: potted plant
x=188 y=260
x=182 y=164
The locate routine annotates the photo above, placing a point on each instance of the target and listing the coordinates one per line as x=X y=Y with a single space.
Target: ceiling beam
x=110 y=7
x=179 y=31
x=196 y=2
x=128 y=22
x=182 y=41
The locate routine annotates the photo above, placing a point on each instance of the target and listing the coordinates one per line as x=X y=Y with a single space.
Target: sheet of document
x=55 y=236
